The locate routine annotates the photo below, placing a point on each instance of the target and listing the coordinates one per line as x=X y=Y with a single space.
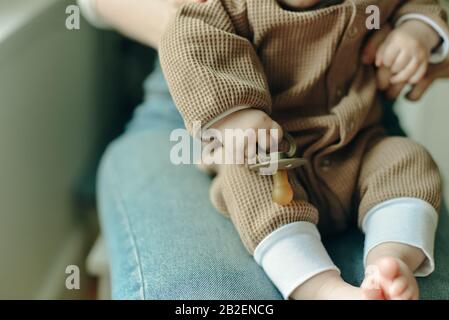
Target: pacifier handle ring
x=292 y=145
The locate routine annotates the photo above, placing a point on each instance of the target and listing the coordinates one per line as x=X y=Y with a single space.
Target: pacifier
x=282 y=161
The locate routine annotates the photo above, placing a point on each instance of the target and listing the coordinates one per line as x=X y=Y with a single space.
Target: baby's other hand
x=249 y=119
x=406 y=51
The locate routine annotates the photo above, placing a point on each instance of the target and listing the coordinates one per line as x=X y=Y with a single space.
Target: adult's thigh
x=165 y=240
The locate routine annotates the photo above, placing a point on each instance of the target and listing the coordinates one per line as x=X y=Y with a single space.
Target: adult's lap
x=166 y=241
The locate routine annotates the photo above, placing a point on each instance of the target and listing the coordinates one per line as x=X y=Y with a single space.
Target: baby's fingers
x=241 y=150
x=374 y=43
x=420 y=73
x=237 y=149
x=402 y=60
x=383 y=78
x=251 y=151
x=390 y=56
x=272 y=138
x=276 y=136
x=380 y=54
x=407 y=73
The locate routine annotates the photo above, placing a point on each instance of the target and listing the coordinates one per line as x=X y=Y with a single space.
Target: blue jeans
x=166 y=241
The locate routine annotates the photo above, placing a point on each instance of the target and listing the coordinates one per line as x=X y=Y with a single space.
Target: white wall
x=51 y=117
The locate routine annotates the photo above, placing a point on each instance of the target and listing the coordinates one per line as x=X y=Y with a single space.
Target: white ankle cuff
x=409 y=221
x=292 y=255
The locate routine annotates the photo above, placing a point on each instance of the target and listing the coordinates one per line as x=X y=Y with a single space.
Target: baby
x=295 y=65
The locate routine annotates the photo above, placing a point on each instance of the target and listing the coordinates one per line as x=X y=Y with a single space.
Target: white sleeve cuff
x=408 y=221
x=292 y=255
x=90 y=12
x=442 y=52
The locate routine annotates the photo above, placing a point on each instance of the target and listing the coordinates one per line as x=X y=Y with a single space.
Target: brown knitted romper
x=304 y=70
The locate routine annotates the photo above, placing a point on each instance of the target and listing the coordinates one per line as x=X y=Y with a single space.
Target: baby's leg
x=283 y=239
x=400 y=191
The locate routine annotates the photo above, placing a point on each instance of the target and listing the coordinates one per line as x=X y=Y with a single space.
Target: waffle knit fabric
x=304 y=70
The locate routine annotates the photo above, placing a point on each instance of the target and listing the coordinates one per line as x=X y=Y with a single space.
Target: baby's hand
x=252 y=119
x=405 y=52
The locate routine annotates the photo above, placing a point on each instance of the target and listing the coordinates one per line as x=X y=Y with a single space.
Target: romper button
x=339 y=94
x=352 y=32
x=325 y=164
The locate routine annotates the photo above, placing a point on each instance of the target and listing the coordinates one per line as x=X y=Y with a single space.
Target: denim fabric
x=166 y=241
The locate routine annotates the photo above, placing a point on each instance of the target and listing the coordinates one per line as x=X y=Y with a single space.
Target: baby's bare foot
x=391 y=279
x=330 y=286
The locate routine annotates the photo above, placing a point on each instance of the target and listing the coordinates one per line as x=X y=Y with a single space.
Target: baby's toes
x=371 y=289
x=410 y=293
x=394 y=279
x=372 y=294
x=389 y=269
x=399 y=287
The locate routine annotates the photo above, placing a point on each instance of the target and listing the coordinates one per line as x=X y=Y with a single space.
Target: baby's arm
x=420 y=28
x=211 y=67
